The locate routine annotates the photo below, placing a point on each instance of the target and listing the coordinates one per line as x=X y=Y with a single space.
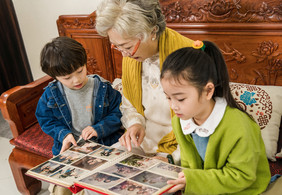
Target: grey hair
x=130 y=18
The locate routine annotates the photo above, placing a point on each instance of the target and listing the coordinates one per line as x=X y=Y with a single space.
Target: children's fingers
x=90 y=135
x=179 y=184
x=173 y=182
x=73 y=141
x=64 y=147
x=83 y=134
x=176 y=188
x=177 y=181
x=181 y=175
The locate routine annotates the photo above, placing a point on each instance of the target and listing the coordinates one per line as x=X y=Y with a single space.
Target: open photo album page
x=106 y=169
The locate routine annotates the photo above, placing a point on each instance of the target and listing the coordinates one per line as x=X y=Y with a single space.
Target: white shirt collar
x=209 y=126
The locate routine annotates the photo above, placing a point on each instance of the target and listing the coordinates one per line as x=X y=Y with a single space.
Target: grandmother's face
x=133 y=47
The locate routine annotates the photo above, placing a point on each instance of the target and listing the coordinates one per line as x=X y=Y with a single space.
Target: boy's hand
x=134 y=133
x=179 y=183
x=69 y=139
x=88 y=133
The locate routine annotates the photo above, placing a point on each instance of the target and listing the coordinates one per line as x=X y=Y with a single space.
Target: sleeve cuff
x=176 y=156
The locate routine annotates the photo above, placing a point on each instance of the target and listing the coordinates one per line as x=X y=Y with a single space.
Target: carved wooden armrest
x=18 y=104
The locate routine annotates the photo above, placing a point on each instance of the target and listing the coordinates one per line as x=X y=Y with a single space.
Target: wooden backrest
x=18 y=105
x=248 y=32
x=99 y=53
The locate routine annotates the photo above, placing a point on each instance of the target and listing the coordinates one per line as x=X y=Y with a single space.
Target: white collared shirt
x=209 y=126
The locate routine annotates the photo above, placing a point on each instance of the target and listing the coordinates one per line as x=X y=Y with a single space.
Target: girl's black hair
x=62 y=56
x=200 y=67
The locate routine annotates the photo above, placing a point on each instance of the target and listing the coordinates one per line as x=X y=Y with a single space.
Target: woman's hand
x=69 y=139
x=179 y=183
x=134 y=133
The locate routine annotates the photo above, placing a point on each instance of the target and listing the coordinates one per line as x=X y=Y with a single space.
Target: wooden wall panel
x=99 y=55
x=248 y=32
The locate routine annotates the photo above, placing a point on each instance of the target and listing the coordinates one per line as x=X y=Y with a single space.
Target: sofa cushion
x=36 y=141
x=276 y=167
x=263 y=103
x=279 y=155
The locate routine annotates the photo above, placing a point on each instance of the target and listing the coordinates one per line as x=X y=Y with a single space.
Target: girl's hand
x=69 y=139
x=88 y=133
x=179 y=183
x=134 y=133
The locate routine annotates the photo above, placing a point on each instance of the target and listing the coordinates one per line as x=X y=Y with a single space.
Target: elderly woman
x=138 y=30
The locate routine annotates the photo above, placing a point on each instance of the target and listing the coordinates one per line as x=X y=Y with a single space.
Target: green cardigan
x=235 y=161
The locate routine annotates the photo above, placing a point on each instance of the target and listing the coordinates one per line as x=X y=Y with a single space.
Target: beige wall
x=37 y=20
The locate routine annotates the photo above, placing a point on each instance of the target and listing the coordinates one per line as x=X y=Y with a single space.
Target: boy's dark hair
x=200 y=67
x=62 y=56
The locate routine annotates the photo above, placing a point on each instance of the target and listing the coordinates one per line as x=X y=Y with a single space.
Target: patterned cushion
x=36 y=141
x=264 y=104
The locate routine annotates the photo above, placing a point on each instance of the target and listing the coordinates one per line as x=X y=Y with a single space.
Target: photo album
x=106 y=170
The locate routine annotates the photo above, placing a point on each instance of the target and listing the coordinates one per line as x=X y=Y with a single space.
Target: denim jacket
x=54 y=115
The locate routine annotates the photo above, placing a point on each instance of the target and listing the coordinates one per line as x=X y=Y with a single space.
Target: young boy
x=76 y=105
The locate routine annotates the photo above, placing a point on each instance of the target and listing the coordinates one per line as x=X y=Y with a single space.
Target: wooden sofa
x=249 y=33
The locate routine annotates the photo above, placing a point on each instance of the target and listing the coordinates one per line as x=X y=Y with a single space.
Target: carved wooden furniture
x=32 y=146
x=249 y=33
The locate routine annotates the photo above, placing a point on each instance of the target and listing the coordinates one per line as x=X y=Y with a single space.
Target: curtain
x=14 y=66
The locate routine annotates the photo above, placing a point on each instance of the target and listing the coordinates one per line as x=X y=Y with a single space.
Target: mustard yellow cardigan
x=169 y=42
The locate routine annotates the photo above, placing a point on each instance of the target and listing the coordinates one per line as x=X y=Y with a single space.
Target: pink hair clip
x=198 y=45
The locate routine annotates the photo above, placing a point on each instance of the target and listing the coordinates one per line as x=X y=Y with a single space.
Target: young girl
x=221 y=146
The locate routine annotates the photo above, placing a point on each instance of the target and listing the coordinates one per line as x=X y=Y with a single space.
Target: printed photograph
x=122 y=170
x=102 y=180
x=152 y=179
x=139 y=161
x=132 y=188
x=86 y=148
x=107 y=153
x=68 y=173
x=166 y=169
x=47 y=168
x=89 y=162
x=68 y=157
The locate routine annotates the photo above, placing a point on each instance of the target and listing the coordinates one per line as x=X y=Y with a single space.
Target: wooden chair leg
x=20 y=161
